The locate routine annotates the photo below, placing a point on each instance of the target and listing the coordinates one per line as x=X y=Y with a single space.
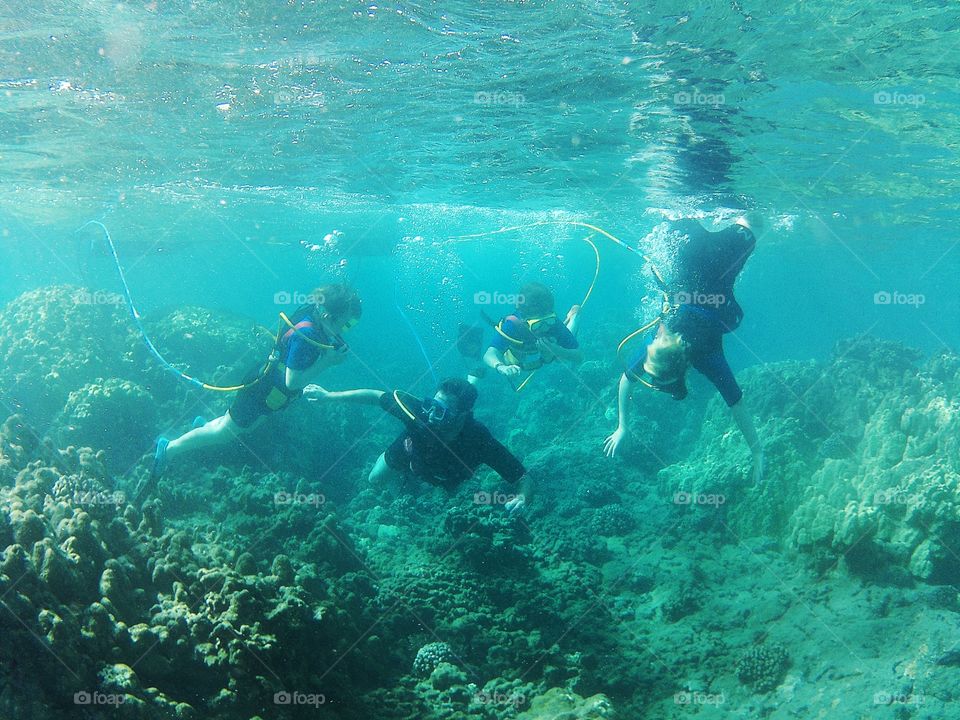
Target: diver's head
x=535 y=305
x=339 y=306
x=448 y=410
x=534 y=299
x=666 y=362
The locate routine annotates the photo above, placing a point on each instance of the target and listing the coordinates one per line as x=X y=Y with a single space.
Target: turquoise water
x=215 y=138
x=242 y=153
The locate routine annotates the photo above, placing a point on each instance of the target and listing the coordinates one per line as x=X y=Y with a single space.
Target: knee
x=225 y=424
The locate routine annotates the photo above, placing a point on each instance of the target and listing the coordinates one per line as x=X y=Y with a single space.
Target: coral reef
x=273 y=581
x=155 y=618
x=763 y=667
x=558 y=704
x=430 y=656
x=57 y=339
x=611 y=520
x=887 y=499
x=117 y=416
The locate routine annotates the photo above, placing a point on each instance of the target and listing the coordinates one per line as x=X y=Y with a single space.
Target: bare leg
x=573 y=320
x=381 y=472
x=219 y=431
x=745 y=423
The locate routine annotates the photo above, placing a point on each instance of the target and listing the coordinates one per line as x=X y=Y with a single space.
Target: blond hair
x=667 y=355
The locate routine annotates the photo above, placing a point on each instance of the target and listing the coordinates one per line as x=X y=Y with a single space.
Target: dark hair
x=464 y=392
x=340 y=300
x=535 y=299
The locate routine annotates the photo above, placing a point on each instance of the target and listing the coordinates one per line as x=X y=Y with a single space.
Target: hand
x=516 y=505
x=508 y=370
x=612 y=443
x=758 y=467
x=314 y=392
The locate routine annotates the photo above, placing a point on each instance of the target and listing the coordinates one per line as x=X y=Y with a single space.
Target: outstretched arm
x=362 y=397
x=624 y=392
x=745 y=423
x=507 y=466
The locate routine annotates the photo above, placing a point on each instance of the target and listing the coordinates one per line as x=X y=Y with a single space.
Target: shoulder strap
x=499 y=328
x=298 y=328
x=402 y=406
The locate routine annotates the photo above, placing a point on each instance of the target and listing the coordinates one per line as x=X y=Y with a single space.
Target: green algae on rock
x=118 y=416
x=55 y=340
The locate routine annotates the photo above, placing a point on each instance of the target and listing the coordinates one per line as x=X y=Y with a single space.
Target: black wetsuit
x=447 y=463
x=706 y=267
x=704 y=272
x=296 y=349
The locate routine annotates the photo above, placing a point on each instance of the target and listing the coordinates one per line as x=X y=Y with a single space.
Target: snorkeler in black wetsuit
x=703 y=310
x=442 y=443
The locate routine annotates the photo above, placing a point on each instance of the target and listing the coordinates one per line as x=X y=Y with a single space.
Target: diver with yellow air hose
x=533 y=336
x=698 y=311
x=530 y=337
x=308 y=342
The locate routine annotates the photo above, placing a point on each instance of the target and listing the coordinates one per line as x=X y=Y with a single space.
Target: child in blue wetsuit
x=703 y=309
x=533 y=336
x=308 y=342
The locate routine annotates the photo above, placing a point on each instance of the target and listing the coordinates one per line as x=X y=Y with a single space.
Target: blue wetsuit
x=516 y=327
x=705 y=270
x=270 y=393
